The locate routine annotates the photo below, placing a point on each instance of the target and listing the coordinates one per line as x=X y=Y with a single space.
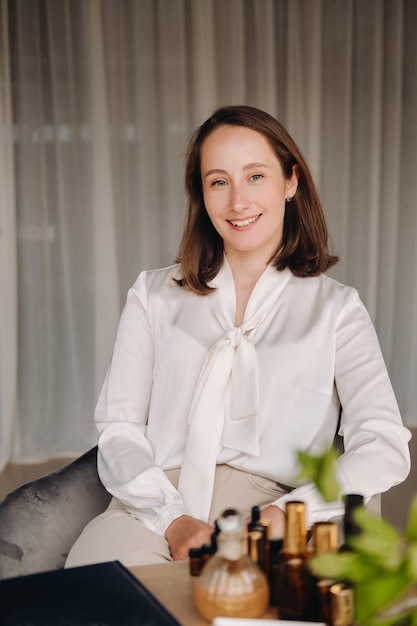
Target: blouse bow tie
x=223 y=412
x=241 y=409
x=225 y=408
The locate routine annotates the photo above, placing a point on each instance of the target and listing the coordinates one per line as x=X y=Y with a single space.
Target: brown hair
x=304 y=246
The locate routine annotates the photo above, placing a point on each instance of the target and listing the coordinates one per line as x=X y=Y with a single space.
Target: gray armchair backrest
x=40 y=521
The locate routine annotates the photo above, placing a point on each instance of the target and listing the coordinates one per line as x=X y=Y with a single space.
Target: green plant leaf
x=374 y=594
x=411 y=530
x=308 y=466
x=343 y=566
x=411 y=560
x=413 y=618
x=321 y=471
x=326 y=481
x=378 y=540
x=404 y=605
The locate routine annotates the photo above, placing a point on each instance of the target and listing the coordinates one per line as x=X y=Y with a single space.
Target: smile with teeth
x=241 y=223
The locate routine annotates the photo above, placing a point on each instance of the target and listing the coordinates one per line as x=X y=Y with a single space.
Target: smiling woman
x=268 y=155
x=229 y=362
x=245 y=191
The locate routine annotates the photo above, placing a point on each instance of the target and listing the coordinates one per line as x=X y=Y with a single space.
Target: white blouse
x=252 y=396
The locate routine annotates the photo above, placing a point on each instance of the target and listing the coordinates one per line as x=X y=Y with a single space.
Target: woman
x=229 y=362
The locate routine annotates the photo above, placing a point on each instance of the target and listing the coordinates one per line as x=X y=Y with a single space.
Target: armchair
x=40 y=521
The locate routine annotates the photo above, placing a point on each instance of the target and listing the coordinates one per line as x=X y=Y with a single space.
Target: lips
x=243 y=223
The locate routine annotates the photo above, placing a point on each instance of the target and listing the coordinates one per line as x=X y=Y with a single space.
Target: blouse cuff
x=317 y=510
x=164 y=518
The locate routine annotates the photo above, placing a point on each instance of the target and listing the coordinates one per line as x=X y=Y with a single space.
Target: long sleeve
x=126 y=459
x=376 y=455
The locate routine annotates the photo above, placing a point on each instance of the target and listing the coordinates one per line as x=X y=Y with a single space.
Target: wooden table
x=172 y=584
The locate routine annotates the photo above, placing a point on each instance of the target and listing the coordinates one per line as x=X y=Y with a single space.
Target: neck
x=247 y=268
x=246 y=274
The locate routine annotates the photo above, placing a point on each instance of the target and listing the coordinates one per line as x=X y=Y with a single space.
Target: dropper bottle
x=353 y=501
x=257 y=536
x=230 y=584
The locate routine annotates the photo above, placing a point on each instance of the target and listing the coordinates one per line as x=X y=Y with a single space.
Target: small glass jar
x=231 y=585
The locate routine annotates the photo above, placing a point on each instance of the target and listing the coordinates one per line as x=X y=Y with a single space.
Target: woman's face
x=245 y=191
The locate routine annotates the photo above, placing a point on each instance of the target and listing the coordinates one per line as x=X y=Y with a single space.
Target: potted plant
x=381 y=563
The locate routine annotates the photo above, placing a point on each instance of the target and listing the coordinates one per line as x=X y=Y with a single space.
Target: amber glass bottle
x=294 y=578
x=255 y=548
x=275 y=562
x=255 y=525
x=266 y=525
x=325 y=538
x=195 y=561
x=230 y=584
x=341 y=605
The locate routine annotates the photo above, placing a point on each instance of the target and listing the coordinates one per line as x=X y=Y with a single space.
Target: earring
x=288 y=199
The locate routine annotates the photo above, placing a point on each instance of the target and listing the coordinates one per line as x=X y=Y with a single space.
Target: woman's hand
x=187 y=532
x=276 y=516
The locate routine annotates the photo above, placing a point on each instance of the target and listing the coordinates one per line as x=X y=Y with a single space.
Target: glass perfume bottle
x=325 y=537
x=230 y=584
x=294 y=575
x=341 y=605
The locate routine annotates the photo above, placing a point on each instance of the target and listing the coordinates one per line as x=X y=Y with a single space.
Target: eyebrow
x=249 y=166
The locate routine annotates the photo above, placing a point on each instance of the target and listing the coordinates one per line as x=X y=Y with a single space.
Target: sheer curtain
x=8 y=264
x=97 y=101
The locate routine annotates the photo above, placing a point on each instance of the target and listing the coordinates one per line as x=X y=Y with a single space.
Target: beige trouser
x=117 y=535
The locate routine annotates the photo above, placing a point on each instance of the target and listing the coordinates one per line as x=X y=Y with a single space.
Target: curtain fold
x=8 y=257
x=304 y=85
x=98 y=101
x=103 y=200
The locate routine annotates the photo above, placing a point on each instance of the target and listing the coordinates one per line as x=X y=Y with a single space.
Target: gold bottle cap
x=341 y=605
x=266 y=523
x=295 y=540
x=325 y=537
x=255 y=538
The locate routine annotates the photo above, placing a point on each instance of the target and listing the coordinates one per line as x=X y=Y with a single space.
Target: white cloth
x=226 y=401
x=309 y=346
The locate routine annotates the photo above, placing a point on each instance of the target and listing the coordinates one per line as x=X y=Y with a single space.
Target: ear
x=291 y=183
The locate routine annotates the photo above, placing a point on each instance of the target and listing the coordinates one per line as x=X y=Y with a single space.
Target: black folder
x=105 y=594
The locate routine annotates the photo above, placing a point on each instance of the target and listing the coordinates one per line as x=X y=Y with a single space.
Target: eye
x=256 y=177
x=218 y=183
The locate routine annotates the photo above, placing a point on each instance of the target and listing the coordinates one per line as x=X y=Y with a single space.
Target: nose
x=238 y=198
